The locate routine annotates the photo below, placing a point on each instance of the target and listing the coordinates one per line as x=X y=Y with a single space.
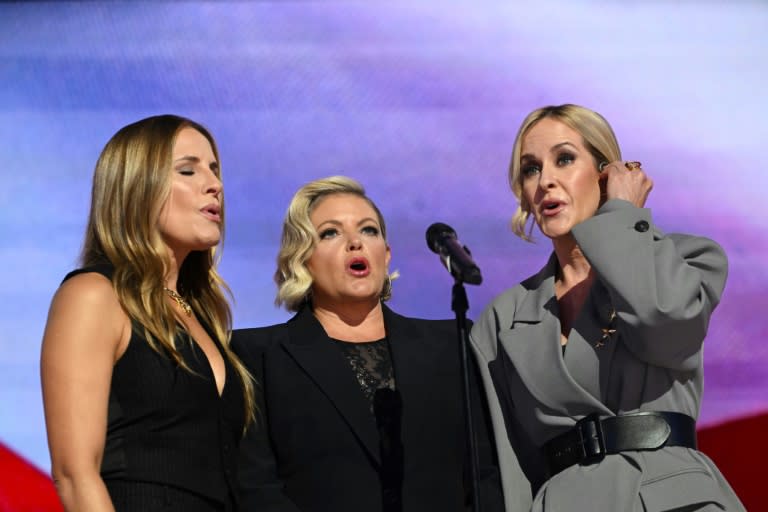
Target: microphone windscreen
x=437 y=232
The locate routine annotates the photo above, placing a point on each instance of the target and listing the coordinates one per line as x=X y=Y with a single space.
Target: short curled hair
x=293 y=279
x=597 y=136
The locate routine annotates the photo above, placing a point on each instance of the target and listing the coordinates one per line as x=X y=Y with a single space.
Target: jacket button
x=642 y=226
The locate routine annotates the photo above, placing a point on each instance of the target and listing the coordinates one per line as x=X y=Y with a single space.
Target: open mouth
x=212 y=212
x=550 y=207
x=358 y=266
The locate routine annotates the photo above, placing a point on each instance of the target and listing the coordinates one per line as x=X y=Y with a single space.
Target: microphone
x=442 y=239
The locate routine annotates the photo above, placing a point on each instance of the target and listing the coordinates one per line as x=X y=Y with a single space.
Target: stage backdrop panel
x=420 y=101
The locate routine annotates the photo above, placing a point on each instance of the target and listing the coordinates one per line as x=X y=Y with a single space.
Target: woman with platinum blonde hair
x=294 y=281
x=361 y=406
x=593 y=366
x=145 y=403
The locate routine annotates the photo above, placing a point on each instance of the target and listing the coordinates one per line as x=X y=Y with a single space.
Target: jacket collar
x=540 y=291
x=532 y=344
x=309 y=345
x=539 y=299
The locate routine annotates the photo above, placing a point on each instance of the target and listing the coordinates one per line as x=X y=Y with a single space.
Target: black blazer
x=316 y=446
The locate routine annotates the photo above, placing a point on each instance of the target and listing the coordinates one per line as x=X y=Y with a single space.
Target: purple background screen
x=420 y=101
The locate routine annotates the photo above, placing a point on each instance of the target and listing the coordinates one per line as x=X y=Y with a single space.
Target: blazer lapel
x=411 y=354
x=314 y=352
x=588 y=348
x=533 y=345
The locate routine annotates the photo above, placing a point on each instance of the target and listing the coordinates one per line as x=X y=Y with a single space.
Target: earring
x=386 y=290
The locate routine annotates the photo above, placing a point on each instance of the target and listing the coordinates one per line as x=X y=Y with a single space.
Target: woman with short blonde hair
x=294 y=282
x=361 y=406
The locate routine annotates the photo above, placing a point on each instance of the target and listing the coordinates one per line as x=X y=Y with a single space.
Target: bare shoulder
x=86 y=333
x=86 y=311
x=88 y=287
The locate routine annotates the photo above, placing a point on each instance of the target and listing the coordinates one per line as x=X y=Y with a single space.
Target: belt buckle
x=591 y=438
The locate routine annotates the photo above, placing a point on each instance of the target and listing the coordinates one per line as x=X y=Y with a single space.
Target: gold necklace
x=608 y=331
x=183 y=304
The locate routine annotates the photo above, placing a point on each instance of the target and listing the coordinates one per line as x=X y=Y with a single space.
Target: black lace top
x=371 y=363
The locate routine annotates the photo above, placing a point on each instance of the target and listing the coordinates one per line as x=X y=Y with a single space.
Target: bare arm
x=86 y=333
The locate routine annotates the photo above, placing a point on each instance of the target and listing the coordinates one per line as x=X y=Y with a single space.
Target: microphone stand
x=460 y=306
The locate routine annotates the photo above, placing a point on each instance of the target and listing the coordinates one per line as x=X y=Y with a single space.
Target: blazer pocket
x=684 y=487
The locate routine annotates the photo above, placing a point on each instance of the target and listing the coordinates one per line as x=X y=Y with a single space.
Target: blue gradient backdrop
x=418 y=100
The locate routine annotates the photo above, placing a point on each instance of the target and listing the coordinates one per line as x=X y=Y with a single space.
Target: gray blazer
x=663 y=289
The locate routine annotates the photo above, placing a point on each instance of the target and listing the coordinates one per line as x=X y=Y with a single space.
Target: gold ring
x=631 y=166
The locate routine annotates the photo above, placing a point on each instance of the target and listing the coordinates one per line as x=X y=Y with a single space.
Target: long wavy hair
x=596 y=133
x=131 y=183
x=294 y=282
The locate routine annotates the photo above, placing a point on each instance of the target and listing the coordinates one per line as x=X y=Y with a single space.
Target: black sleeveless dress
x=171 y=439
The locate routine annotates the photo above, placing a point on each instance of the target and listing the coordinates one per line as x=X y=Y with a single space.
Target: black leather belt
x=593 y=437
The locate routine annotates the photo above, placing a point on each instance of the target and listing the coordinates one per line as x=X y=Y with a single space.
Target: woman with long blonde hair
x=145 y=403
